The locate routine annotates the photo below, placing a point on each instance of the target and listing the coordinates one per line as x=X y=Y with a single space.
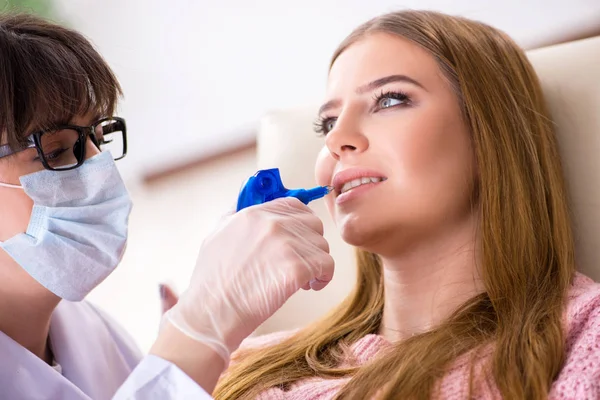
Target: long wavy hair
x=527 y=253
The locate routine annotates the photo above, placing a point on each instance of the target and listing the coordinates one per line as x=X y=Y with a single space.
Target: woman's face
x=392 y=122
x=16 y=206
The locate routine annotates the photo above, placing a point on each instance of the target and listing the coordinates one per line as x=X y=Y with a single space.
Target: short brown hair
x=48 y=75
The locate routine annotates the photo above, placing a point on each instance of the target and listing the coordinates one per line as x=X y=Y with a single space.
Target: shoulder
x=123 y=339
x=581 y=369
x=84 y=328
x=582 y=313
x=270 y=339
x=260 y=341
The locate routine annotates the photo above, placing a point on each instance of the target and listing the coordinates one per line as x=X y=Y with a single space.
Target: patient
x=448 y=183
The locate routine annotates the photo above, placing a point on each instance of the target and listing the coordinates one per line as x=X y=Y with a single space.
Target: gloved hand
x=254 y=261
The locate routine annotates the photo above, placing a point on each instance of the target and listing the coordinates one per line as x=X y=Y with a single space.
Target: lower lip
x=354 y=193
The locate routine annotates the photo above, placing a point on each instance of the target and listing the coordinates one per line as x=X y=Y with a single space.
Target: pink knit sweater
x=578 y=380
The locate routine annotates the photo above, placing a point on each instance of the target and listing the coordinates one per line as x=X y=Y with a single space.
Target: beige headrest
x=570 y=75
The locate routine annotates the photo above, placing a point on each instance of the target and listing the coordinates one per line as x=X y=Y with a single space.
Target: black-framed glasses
x=63 y=148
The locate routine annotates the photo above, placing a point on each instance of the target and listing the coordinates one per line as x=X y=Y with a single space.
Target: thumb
x=168 y=298
x=230 y=210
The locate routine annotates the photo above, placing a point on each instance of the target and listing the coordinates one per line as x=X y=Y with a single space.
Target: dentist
x=63 y=229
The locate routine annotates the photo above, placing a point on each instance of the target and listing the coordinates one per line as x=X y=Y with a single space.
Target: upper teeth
x=357 y=182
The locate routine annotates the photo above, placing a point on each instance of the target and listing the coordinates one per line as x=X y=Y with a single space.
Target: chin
x=383 y=236
x=360 y=232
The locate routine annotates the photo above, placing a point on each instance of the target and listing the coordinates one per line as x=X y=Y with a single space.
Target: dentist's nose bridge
x=91 y=149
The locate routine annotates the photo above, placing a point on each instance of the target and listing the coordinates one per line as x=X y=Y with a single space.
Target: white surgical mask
x=78 y=229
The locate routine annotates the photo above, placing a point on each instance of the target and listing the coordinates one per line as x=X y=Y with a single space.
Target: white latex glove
x=254 y=261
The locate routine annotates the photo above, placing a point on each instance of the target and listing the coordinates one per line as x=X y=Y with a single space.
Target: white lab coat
x=97 y=357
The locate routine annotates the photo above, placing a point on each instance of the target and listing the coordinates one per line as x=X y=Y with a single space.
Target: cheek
x=15 y=213
x=433 y=151
x=91 y=150
x=435 y=170
x=324 y=169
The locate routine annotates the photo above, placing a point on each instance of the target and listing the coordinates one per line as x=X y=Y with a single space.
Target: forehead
x=378 y=55
x=86 y=119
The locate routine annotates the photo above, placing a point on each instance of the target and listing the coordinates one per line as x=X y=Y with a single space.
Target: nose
x=346 y=137
x=90 y=148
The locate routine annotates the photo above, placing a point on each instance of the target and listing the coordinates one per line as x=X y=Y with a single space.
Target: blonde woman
x=466 y=277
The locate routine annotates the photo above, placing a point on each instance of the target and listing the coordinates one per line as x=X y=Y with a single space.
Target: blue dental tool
x=266 y=185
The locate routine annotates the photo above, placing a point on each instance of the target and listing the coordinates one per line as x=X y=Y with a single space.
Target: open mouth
x=359 y=182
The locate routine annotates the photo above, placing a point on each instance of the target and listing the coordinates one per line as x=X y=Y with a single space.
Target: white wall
x=197 y=74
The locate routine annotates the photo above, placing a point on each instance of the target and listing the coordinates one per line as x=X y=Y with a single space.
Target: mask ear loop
x=8 y=185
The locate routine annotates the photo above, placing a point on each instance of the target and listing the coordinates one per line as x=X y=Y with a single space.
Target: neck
x=26 y=308
x=425 y=285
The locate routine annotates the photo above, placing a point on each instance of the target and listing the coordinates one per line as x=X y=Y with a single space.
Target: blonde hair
x=527 y=250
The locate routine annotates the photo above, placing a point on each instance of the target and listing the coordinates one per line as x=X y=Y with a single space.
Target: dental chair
x=570 y=76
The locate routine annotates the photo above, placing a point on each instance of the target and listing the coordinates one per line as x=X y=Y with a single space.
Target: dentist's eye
x=324 y=125
x=53 y=156
x=391 y=99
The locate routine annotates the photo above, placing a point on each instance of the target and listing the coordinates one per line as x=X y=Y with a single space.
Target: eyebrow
x=377 y=83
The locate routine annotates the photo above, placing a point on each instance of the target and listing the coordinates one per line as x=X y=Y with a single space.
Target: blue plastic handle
x=266 y=185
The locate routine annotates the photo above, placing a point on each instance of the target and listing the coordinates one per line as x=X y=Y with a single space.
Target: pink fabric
x=578 y=380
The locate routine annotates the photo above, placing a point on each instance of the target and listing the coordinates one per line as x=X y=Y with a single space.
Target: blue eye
x=391 y=99
x=324 y=125
x=388 y=102
x=330 y=124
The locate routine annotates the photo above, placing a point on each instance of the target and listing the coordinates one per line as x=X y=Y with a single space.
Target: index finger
x=287 y=205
